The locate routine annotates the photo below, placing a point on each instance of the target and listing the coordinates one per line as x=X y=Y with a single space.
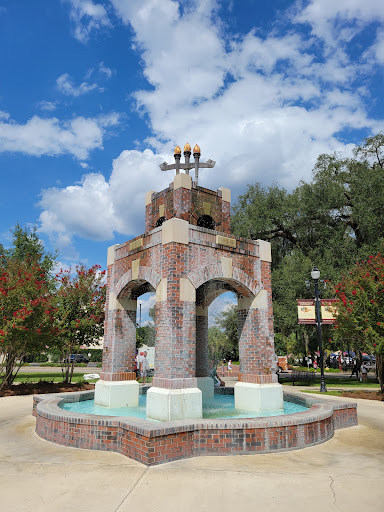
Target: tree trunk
x=380 y=370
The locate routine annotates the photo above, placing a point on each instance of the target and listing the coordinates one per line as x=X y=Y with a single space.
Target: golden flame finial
x=196 y=149
x=187 y=147
x=177 y=150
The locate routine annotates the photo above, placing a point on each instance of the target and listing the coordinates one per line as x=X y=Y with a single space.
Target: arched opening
x=128 y=332
x=212 y=297
x=160 y=221
x=206 y=221
x=146 y=330
x=223 y=338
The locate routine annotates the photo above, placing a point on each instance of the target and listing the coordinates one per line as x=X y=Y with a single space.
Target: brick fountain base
x=155 y=443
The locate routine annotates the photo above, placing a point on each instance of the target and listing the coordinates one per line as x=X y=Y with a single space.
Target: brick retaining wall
x=155 y=443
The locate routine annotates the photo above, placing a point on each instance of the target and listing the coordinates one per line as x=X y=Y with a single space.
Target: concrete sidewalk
x=344 y=474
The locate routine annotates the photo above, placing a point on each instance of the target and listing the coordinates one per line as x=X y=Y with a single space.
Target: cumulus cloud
x=65 y=86
x=341 y=20
x=258 y=105
x=51 y=136
x=96 y=208
x=263 y=106
x=87 y=17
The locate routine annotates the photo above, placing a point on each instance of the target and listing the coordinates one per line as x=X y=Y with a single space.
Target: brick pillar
x=175 y=335
x=174 y=393
x=202 y=352
x=117 y=386
x=182 y=196
x=119 y=340
x=257 y=388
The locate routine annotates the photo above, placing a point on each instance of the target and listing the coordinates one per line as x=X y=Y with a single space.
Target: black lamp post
x=315 y=274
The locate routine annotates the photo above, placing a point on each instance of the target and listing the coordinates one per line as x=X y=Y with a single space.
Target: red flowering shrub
x=360 y=317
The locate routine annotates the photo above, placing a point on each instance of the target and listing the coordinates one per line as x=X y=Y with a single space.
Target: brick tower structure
x=188 y=257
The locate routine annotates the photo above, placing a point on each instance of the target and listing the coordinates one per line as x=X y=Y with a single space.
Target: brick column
x=257 y=388
x=119 y=340
x=174 y=393
x=182 y=196
x=117 y=386
x=202 y=352
x=175 y=340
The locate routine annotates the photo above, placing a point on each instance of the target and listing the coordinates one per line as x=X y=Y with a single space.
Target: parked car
x=76 y=358
x=370 y=362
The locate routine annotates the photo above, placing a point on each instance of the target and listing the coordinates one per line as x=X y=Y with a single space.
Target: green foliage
x=227 y=323
x=360 y=310
x=332 y=222
x=79 y=320
x=27 y=311
x=146 y=335
x=220 y=346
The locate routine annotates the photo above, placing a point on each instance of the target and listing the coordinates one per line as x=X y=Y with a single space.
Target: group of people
x=363 y=370
x=229 y=367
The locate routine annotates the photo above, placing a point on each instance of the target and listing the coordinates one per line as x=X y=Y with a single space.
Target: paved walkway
x=344 y=474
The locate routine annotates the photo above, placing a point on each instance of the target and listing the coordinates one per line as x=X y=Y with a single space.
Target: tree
x=27 y=312
x=79 y=318
x=219 y=345
x=360 y=310
x=227 y=322
x=332 y=222
x=146 y=335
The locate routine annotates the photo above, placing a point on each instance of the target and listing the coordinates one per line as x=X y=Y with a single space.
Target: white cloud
x=105 y=70
x=263 y=107
x=375 y=53
x=4 y=115
x=87 y=17
x=65 y=86
x=96 y=208
x=51 y=136
x=147 y=301
x=271 y=120
x=219 y=305
x=47 y=106
x=339 y=20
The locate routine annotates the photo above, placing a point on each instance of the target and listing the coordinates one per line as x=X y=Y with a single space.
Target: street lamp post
x=315 y=274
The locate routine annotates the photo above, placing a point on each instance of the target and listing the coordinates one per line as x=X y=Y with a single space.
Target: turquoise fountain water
x=221 y=407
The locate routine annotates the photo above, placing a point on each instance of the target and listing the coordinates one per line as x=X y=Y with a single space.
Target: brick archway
x=146 y=276
x=243 y=284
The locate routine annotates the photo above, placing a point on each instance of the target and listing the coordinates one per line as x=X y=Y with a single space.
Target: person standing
x=364 y=372
x=355 y=371
x=144 y=367
x=229 y=367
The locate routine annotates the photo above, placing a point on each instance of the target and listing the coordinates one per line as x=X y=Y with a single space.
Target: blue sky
x=94 y=95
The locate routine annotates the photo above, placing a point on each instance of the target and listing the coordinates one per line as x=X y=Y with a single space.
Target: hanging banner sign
x=328 y=311
x=306 y=311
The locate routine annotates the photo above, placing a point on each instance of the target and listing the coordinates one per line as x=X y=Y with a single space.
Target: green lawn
x=336 y=382
x=49 y=377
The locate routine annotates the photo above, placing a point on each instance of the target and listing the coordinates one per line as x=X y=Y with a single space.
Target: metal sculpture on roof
x=165 y=166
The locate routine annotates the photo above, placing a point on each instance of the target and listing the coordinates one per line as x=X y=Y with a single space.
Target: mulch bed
x=365 y=395
x=41 y=388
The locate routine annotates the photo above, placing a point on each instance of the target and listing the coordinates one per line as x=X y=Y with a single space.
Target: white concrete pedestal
x=122 y=393
x=259 y=397
x=174 y=404
x=206 y=386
